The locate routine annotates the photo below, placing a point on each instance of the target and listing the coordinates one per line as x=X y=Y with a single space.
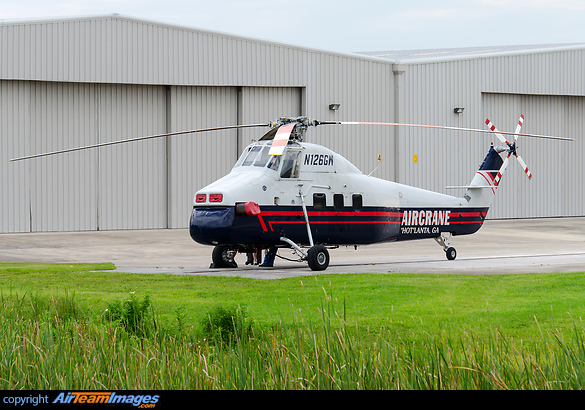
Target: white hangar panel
x=115 y=49
x=257 y=105
x=76 y=81
x=365 y=91
x=556 y=188
x=131 y=177
x=14 y=140
x=62 y=187
x=547 y=86
x=118 y=187
x=195 y=160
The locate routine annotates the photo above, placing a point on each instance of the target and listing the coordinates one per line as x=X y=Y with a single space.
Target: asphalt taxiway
x=499 y=247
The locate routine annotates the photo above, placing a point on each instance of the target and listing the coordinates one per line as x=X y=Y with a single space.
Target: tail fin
x=483 y=186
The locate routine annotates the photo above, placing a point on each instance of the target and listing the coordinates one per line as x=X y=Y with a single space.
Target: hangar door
x=105 y=188
x=557 y=185
x=139 y=185
x=197 y=159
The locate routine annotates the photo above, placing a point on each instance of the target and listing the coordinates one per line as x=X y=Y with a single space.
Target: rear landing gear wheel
x=223 y=257
x=451 y=253
x=318 y=257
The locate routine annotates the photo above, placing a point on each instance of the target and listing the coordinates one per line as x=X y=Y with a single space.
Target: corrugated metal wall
x=557 y=187
x=139 y=185
x=113 y=49
x=73 y=82
x=14 y=177
x=120 y=187
x=195 y=160
x=365 y=90
x=259 y=105
x=546 y=87
x=78 y=81
x=131 y=177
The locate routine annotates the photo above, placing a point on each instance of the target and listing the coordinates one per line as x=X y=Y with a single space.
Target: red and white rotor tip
x=524 y=167
x=511 y=147
x=493 y=128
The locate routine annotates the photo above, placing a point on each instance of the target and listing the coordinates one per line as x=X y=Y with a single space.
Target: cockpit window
x=291 y=164
x=257 y=156
x=252 y=155
x=262 y=159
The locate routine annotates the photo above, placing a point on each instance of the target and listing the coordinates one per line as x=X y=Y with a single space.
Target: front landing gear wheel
x=451 y=253
x=318 y=257
x=223 y=257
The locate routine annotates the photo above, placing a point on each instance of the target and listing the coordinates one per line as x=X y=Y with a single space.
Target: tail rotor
x=511 y=148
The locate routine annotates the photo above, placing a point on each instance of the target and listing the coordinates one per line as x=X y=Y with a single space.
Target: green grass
x=324 y=331
x=372 y=301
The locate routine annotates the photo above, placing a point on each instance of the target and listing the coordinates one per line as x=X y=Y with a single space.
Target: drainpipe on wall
x=399 y=115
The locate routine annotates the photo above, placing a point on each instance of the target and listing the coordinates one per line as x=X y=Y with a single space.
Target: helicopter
x=284 y=192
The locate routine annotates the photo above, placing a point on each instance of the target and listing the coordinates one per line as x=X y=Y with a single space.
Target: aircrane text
x=425 y=218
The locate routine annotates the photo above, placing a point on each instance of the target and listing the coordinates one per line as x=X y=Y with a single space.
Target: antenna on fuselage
x=379 y=161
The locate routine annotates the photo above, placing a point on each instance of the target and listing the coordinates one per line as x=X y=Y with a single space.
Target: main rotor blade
x=397 y=124
x=169 y=134
x=281 y=139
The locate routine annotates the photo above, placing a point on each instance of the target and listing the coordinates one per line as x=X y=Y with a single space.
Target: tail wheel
x=451 y=253
x=318 y=257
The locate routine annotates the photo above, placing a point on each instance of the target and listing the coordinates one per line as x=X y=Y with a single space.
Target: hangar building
x=78 y=81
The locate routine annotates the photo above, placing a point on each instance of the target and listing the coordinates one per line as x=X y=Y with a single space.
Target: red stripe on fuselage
x=332 y=213
x=362 y=214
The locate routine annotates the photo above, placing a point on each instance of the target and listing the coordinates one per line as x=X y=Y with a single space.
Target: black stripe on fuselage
x=222 y=226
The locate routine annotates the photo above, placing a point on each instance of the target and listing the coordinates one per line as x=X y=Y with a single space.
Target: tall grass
x=52 y=343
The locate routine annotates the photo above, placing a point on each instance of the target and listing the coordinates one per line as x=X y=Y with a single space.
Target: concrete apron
x=500 y=247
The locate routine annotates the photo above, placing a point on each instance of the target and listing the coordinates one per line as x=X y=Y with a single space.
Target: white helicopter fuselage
x=283 y=192
x=265 y=198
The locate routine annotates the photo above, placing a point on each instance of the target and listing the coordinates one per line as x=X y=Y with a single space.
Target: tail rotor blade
x=524 y=167
x=493 y=128
x=501 y=171
x=519 y=127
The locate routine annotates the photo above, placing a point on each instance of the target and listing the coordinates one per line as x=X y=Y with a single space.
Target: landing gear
x=318 y=257
x=444 y=242
x=223 y=257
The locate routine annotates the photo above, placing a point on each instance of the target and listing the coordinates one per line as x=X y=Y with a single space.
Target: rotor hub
x=298 y=132
x=512 y=149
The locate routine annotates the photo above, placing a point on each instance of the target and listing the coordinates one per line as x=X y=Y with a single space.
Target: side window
x=338 y=201
x=291 y=164
x=319 y=201
x=357 y=202
x=274 y=162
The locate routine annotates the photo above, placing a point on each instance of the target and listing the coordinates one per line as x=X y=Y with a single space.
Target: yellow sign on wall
x=415 y=158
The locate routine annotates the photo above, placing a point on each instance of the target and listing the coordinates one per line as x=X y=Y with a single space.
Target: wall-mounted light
x=334 y=107
x=458 y=110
